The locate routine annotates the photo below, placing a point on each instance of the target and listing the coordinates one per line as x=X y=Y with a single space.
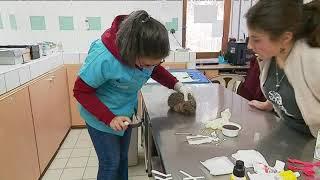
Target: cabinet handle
x=50 y=79
x=10 y=100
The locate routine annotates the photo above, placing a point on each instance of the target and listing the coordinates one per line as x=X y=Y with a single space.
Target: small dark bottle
x=239 y=171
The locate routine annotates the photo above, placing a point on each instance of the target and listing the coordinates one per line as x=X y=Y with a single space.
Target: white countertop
x=12 y=76
x=7 y=68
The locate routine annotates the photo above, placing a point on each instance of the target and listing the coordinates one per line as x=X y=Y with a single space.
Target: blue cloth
x=112 y=152
x=117 y=84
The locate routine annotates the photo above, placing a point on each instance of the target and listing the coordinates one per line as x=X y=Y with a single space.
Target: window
x=206 y=22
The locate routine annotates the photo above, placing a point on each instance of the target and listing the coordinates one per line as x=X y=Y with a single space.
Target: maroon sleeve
x=86 y=96
x=162 y=76
x=250 y=88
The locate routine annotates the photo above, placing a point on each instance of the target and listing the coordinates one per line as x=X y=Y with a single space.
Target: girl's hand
x=120 y=123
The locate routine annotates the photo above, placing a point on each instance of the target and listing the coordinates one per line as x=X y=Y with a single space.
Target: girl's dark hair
x=140 y=35
x=278 y=16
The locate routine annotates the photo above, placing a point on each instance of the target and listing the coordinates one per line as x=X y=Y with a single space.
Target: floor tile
x=78 y=156
x=69 y=143
x=93 y=152
x=84 y=131
x=58 y=164
x=90 y=172
x=84 y=144
x=53 y=174
x=138 y=170
x=72 y=174
x=77 y=162
x=84 y=136
x=71 y=138
x=83 y=152
x=64 y=153
x=93 y=161
x=75 y=132
x=139 y=178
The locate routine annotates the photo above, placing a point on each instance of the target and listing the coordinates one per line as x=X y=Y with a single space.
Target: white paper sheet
x=250 y=157
x=218 y=166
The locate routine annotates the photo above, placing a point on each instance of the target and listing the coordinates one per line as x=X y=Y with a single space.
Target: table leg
x=145 y=137
x=147 y=141
x=149 y=167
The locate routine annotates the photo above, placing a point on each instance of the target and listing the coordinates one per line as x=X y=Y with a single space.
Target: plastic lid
x=239 y=169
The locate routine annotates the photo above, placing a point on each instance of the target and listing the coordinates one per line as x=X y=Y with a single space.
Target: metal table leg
x=149 y=167
x=143 y=126
x=145 y=137
x=147 y=141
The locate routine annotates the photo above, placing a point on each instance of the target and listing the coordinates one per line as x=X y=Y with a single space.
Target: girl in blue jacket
x=116 y=68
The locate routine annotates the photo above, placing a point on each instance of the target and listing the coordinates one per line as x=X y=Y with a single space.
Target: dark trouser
x=112 y=152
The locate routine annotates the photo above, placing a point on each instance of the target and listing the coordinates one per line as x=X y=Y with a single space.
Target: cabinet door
x=76 y=119
x=50 y=108
x=61 y=107
x=18 y=152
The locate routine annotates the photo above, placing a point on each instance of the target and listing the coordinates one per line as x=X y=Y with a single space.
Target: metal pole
x=239 y=22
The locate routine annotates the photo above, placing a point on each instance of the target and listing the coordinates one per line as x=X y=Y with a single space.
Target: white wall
x=79 y=39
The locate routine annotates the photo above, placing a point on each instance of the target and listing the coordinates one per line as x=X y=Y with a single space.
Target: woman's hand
x=179 y=87
x=264 y=106
x=120 y=123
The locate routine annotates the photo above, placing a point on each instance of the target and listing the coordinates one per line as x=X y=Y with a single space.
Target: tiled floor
x=77 y=160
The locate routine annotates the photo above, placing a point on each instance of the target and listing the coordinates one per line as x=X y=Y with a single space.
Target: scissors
x=302 y=166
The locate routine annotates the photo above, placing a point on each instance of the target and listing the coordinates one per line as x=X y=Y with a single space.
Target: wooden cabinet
x=18 y=152
x=51 y=113
x=210 y=74
x=61 y=102
x=72 y=71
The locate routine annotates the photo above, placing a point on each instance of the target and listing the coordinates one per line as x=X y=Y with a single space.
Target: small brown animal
x=176 y=102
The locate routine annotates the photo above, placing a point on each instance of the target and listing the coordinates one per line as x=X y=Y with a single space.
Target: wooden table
x=214 y=70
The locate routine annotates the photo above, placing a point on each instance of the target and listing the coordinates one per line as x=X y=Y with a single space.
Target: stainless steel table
x=260 y=131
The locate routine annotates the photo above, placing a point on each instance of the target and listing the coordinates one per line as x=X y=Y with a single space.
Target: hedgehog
x=176 y=103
